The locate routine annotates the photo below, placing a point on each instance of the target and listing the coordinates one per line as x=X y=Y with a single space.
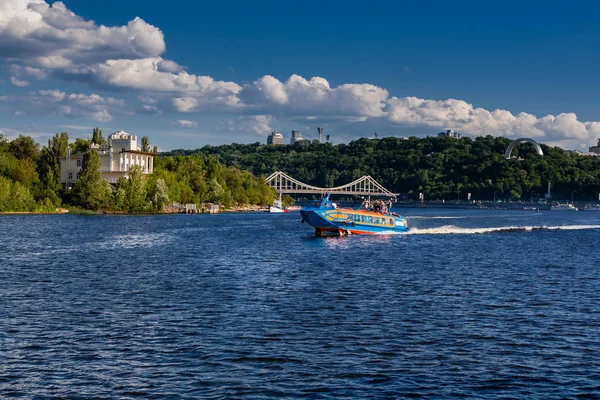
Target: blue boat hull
x=345 y=221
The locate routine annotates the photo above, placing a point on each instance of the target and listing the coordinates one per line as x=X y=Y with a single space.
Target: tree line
x=439 y=167
x=30 y=179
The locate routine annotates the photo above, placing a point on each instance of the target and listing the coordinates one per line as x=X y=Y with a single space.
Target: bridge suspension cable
x=363 y=186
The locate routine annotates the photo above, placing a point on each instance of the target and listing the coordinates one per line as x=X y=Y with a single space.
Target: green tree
x=90 y=191
x=80 y=145
x=15 y=197
x=97 y=137
x=25 y=172
x=4 y=143
x=159 y=195
x=145 y=143
x=287 y=200
x=135 y=191
x=24 y=147
x=49 y=162
x=120 y=198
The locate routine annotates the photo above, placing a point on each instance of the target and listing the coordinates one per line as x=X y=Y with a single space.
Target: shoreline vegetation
x=30 y=181
x=232 y=176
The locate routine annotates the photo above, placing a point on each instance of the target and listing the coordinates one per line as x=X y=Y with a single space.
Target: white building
x=296 y=137
x=275 y=138
x=116 y=158
x=450 y=133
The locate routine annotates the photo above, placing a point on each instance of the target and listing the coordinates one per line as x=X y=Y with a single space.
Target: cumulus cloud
x=18 y=82
x=12 y=133
x=258 y=124
x=53 y=36
x=28 y=72
x=458 y=114
x=183 y=123
x=92 y=106
x=299 y=96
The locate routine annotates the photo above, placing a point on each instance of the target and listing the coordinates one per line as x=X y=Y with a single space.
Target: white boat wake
x=409 y=217
x=452 y=229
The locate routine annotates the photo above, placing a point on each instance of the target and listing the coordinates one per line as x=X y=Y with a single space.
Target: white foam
x=428 y=217
x=390 y=233
x=452 y=229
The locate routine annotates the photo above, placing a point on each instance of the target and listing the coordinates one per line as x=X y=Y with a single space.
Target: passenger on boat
x=366 y=204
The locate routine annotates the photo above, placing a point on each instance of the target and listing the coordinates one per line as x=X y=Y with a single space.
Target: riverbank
x=58 y=211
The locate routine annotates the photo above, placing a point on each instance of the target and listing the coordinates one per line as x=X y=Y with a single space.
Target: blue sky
x=195 y=73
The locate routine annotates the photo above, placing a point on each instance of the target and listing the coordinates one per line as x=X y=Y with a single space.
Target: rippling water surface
x=477 y=304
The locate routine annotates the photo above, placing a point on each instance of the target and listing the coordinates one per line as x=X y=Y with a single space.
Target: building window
x=70 y=175
x=78 y=175
x=79 y=163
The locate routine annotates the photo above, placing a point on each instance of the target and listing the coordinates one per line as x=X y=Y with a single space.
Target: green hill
x=439 y=167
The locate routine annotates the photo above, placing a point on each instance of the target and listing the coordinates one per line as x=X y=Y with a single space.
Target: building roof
x=121 y=135
x=147 y=153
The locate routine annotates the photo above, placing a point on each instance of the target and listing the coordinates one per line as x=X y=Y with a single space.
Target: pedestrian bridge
x=364 y=186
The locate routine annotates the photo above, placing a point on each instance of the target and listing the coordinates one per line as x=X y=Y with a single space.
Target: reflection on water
x=131 y=241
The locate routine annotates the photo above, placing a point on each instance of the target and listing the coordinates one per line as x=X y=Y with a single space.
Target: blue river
x=468 y=304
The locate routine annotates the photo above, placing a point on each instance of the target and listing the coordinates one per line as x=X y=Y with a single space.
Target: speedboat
x=327 y=218
x=278 y=207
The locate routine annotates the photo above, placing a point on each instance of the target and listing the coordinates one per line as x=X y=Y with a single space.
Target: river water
x=470 y=303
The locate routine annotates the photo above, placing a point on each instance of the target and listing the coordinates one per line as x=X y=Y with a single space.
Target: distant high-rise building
x=296 y=137
x=449 y=133
x=327 y=138
x=275 y=138
x=320 y=130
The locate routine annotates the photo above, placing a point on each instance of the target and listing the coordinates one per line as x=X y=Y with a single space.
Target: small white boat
x=590 y=208
x=278 y=207
x=563 y=207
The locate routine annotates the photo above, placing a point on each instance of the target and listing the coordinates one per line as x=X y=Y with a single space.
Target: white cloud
x=460 y=115
x=299 y=96
x=54 y=36
x=18 y=82
x=13 y=133
x=91 y=106
x=153 y=75
x=147 y=109
x=28 y=72
x=184 y=104
x=258 y=124
x=183 y=123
